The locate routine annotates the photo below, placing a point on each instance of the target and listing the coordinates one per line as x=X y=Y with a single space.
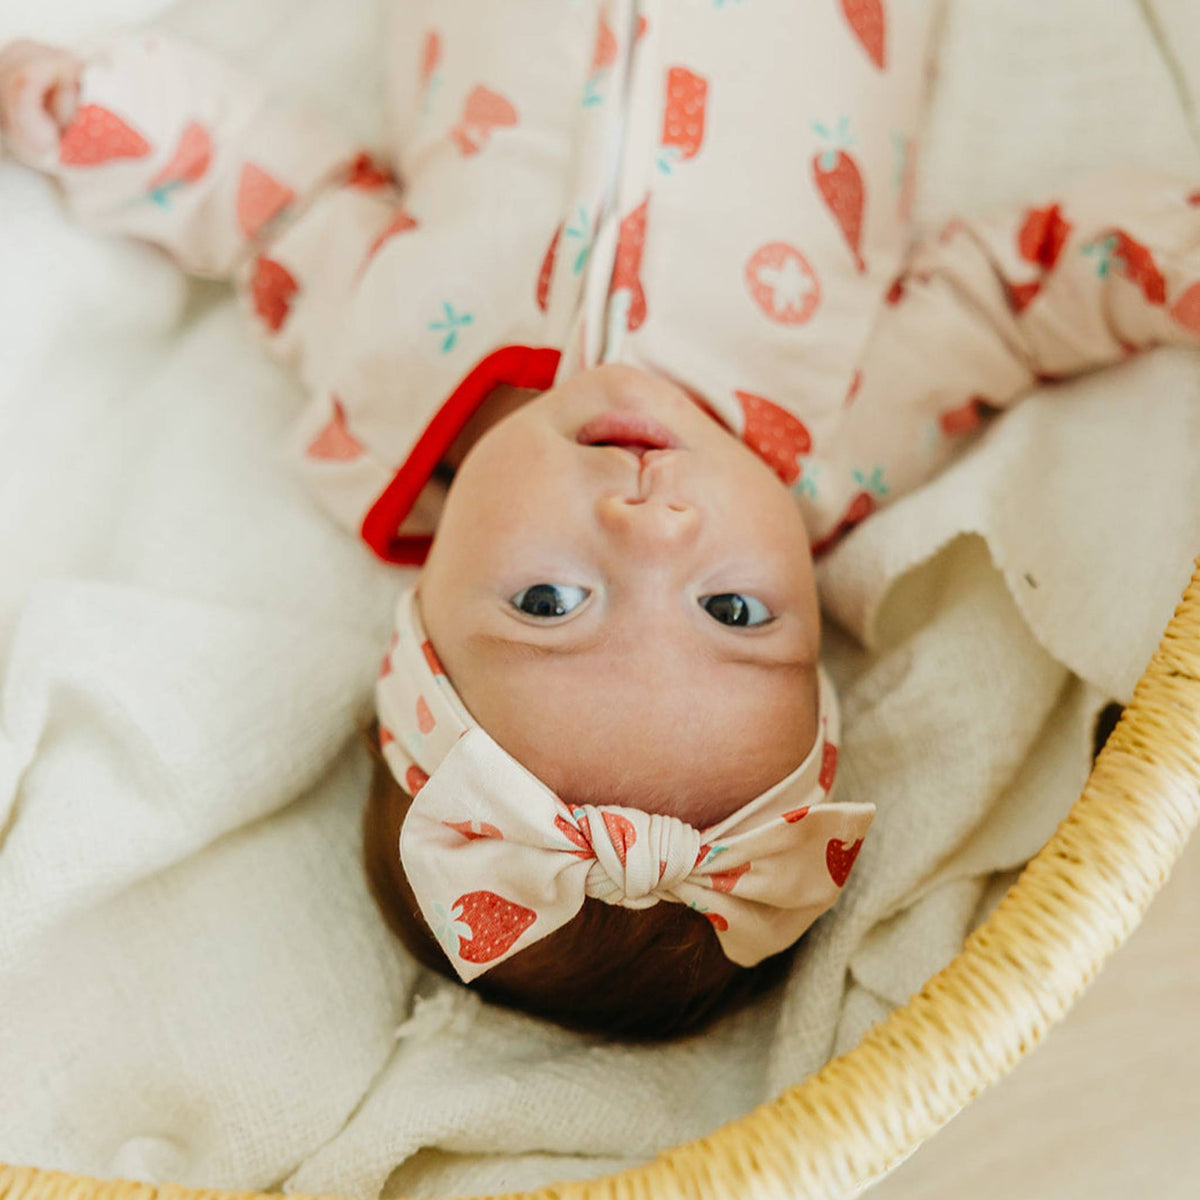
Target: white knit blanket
x=194 y=984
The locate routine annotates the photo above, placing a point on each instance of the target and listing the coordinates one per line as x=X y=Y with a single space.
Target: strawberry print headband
x=497 y=861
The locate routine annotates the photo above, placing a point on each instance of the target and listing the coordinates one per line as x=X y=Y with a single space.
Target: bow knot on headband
x=498 y=861
x=633 y=868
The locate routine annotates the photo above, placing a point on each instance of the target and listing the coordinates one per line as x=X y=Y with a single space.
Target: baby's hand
x=39 y=94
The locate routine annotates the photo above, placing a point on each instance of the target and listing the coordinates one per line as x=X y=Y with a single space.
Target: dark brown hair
x=635 y=974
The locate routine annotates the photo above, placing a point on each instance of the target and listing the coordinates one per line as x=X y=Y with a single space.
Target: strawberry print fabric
x=497 y=861
x=629 y=201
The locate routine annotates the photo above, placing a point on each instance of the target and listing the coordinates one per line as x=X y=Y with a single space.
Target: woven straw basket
x=1017 y=975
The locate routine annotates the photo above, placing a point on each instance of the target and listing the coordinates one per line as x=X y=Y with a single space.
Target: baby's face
x=634 y=629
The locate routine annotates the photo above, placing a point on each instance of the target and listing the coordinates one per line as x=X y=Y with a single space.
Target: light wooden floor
x=1108 y=1107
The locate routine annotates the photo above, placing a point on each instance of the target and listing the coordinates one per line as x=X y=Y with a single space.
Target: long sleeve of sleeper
x=174 y=146
x=989 y=307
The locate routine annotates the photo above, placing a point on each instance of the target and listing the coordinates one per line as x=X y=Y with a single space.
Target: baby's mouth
x=629 y=431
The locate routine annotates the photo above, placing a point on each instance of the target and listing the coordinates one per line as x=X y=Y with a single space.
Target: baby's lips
x=627 y=429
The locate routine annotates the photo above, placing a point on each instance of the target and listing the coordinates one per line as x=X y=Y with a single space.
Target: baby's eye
x=732 y=608
x=549 y=599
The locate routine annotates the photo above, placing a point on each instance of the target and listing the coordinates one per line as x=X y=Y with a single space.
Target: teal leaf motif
x=579 y=229
x=448 y=928
x=873 y=482
x=450 y=325
x=806 y=485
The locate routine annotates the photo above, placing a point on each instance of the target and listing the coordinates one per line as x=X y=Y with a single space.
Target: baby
x=643 y=297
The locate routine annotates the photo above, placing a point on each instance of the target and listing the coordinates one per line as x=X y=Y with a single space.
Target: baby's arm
x=156 y=139
x=989 y=307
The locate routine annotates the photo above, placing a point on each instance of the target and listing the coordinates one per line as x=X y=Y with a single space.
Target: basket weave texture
x=1017 y=975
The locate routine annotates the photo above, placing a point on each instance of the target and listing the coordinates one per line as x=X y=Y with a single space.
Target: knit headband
x=497 y=861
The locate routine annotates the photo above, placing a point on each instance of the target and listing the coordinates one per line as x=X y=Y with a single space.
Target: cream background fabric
x=194 y=982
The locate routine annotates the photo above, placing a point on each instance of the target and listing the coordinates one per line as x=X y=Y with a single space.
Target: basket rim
x=844 y=1127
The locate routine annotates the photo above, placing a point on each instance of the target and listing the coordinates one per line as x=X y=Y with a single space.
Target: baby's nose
x=650 y=525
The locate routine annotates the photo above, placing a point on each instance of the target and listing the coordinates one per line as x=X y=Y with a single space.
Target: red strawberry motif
x=726 y=880
x=839 y=858
x=1042 y=235
x=366 y=174
x=272 y=288
x=777 y=437
x=701 y=854
x=97 y=136
x=717 y=921
x=543 y=283
x=829 y=758
x=1139 y=267
x=1186 y=309
x=188 y=163
x=866 y=19
x=782 y=283
x=628 y=265
x=335 y=443
x=483 y=112
x=495 y=924
x=386 y=737
x=896 y=292
x=861 y=507
x=621 y=833
x=400 y=223
x=574 y=835
x=435 y=663
x=473 y=830
x=425 y=720
x=840 y=183
x=605 y=52
x=1021 y=295
x=431 y=55
x=964 y=419
x=796 y=814
x=683 y=120
x=260 y=197
x=414 y=779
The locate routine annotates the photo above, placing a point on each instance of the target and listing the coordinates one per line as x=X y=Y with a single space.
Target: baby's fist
x=39 y=94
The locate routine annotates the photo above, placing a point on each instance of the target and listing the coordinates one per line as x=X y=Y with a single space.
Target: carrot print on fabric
x=1121 y=254
x=867 y=20
x=683 y=117
x=427 y=77
x=627 y=269
x=774 y=434
x=98 y=136
x=1042 y=235
x=483 y=112
x=272 y=289
x=335 y=443
x=840 y=183
x=187 y=165
x=260 y=198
